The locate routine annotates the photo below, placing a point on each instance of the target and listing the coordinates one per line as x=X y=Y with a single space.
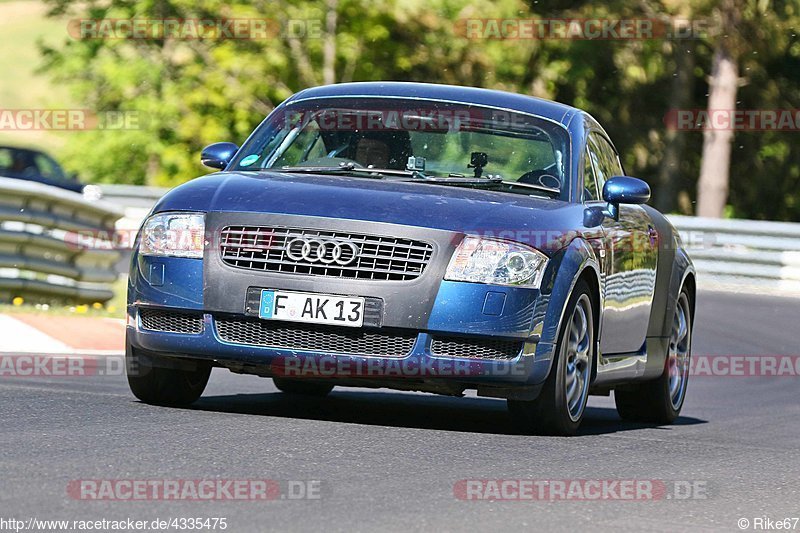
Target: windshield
x=428 y=139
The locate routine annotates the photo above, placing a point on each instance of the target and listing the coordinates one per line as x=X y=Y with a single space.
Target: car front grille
x=317 y=338
x=372 y=257
x=171 y=321
x=475 y=348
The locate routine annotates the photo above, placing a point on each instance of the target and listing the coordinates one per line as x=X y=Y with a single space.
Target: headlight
x=496 y=262
x=174 y=234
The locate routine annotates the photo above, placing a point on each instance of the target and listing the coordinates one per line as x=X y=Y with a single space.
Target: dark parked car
x=417 y=237
x=33 y=165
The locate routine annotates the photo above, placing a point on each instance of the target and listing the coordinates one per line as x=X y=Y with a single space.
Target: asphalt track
x=384 y=460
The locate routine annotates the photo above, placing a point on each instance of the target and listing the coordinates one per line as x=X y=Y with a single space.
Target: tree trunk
x=712 y=187
x=675 y=141
x=329 y=50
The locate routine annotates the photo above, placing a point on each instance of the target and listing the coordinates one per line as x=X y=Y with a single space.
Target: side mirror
x=624 y=190
x=218 y=155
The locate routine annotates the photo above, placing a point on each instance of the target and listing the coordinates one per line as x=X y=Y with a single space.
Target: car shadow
x=397 y=409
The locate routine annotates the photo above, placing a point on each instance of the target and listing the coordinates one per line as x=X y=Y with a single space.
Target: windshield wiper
x=351 y=168
x=543 y=188
x=380 y=173
x=417 y=176
x=460 y=180
x=489 y=182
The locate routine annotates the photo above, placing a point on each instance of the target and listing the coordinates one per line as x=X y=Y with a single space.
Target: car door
x=630 y=262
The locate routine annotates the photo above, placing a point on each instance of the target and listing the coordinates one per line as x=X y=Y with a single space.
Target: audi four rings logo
x=325 y=251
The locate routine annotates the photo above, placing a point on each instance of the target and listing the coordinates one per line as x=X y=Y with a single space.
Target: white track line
x=19 y=337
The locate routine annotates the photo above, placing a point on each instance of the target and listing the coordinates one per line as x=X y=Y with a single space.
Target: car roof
x=555 y=111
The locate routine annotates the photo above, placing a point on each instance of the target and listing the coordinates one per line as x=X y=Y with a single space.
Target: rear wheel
x=559 y=408
x=661 y=400
x=158 y=385
x=306 y=388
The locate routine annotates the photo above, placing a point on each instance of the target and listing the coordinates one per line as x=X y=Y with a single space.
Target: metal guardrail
x=135 y=202
x=136 y=196
x=724 y=251
x=731 y=251
x=54 y=244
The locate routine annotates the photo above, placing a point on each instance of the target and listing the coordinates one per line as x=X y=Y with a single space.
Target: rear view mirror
x=218 y=155
x=624 y=190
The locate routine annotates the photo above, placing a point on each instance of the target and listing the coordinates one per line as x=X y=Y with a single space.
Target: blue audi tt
x=417 y=237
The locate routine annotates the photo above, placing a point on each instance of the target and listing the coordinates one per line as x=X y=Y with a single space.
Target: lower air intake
x=475 y=348
x=317 y=338
x=171 y=321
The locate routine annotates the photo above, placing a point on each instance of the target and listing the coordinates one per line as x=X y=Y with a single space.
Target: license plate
x=312 y=308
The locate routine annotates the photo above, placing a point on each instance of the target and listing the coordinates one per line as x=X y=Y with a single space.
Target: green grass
x=114 y=308
x=22 y=24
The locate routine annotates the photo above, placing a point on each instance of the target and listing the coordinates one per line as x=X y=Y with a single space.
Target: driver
x=22 y=165
x=372 y=152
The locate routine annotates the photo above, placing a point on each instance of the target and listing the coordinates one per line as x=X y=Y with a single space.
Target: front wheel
x=158 y=385
x=559 y=408
x=661 y=400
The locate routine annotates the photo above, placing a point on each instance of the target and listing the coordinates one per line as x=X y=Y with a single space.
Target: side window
x=6 y=159
x=47 y=168
x=606 y=161
x=589 y=183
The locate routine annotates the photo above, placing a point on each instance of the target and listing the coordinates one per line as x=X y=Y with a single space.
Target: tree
x=187 y=93
x=712 y=188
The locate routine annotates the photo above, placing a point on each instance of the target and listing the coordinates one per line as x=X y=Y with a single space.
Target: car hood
x=513 y=216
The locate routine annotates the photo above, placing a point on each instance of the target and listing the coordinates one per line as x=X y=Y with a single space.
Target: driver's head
x=19 y=164
x=372 y=152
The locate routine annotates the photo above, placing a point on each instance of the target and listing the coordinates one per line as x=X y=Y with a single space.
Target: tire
x=559 y=408
x=661 y=400
x=156 y=385
x=305 y=388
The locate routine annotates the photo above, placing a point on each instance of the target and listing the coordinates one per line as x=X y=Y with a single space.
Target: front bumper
x=440 y=322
